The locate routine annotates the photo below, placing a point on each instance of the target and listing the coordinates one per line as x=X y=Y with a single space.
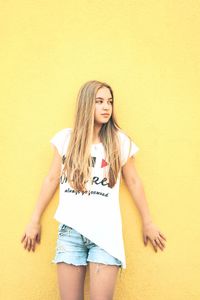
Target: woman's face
x=103 y=106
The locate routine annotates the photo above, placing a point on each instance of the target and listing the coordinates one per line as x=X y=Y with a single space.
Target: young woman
x=88 y=161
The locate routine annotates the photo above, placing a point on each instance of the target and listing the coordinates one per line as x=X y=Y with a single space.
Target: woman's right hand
x=31 y=235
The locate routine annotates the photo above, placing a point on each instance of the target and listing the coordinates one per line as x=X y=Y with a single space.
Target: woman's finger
x=25 y=243
x=23 y=237
x=29 y=244
x=159 y=243
x=33 y=245
x=145 y=239
x=162 y=243
x=38 y=238
x=162 y=236
x=154 y=245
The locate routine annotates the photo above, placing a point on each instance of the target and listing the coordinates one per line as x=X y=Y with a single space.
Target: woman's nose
x=106 y=106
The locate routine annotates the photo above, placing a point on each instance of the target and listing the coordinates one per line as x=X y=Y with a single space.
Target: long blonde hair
x=78 y=160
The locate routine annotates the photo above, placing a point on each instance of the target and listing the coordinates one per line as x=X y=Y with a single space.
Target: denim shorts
x=74 y=248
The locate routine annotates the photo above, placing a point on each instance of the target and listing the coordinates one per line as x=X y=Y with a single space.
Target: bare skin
x=71 y=281
x=102 y=281
x=103 y=106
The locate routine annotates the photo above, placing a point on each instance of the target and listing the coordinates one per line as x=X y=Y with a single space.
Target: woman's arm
x=48 y=189
x=32 y=233
x=136 y=189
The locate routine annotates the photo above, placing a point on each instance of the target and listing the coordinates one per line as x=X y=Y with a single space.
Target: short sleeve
x=128 y=147
x=58 y=140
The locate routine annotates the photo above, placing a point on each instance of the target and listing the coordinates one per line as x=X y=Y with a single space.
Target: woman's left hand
x=152 y=232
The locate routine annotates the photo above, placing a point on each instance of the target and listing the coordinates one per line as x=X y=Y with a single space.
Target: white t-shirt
x=95 y=214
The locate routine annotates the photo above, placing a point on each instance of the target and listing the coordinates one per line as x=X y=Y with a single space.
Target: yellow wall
x=149 y=52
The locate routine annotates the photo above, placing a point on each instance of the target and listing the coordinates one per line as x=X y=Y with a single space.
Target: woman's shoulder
x=122 y=134
x=64 y=131
x=124 y=138
x=61 y=135
x=127 y=146
x=61 y=139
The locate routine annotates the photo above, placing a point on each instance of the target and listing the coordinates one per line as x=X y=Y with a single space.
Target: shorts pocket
x=64 y=230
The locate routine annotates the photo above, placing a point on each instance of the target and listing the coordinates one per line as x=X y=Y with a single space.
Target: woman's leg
x=71 y=281
x=102 y=281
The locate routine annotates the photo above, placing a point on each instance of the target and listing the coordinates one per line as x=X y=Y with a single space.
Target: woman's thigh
x=70 y=257
x=103 y=279
x=103 y=268
x=71 y=281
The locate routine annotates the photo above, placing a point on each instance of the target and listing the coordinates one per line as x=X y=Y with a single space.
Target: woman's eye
x=101 y=101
